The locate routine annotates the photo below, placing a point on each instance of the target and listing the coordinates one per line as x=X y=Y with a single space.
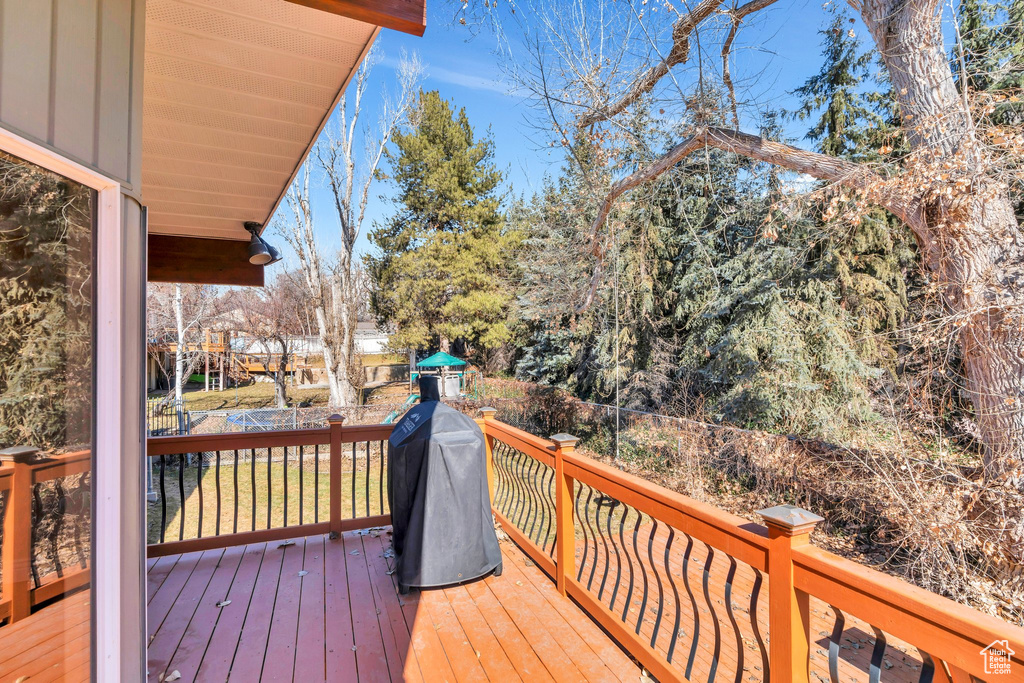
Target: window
x=47 y=408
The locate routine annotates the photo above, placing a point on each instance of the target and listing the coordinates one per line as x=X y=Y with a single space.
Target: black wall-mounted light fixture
x=260 y=253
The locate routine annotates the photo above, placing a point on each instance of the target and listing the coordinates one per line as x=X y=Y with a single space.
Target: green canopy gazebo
x=440 y=363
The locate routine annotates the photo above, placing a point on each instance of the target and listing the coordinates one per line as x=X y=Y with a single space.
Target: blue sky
x=776 y=51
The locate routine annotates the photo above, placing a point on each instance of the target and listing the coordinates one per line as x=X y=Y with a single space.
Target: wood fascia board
x=196 y=260
x=407 y=16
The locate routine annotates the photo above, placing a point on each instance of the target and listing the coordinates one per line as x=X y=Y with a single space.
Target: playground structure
x=229 y=359
x=454 y=379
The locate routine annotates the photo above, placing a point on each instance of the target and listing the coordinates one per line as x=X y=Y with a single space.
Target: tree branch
x=823 y=167
x=679 y=54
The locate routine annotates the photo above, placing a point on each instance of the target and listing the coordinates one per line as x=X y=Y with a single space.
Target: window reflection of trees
x=45 y=308
x=46 y=383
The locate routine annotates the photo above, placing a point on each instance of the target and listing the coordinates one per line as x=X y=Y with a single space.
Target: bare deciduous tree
x=272 y=317
x=330 y=283
x=176 y=315
x=596 y=66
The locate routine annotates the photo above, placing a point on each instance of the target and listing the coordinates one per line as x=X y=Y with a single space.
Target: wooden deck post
x=487 y=414
x=17 y=525
x=565 y=524
x=335 y=422
x=789 y=613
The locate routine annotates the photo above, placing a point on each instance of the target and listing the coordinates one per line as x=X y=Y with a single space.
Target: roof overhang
x=236 y=93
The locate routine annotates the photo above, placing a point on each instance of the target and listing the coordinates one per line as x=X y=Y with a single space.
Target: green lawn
x=255 y=489
x=256 y=395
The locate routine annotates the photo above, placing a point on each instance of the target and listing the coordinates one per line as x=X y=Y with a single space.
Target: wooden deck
x=29 y=651
x=318 y=609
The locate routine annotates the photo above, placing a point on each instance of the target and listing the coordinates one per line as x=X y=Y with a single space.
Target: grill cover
x=443 y=532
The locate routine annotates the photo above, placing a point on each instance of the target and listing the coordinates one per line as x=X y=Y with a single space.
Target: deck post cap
x=335 y=419
x=564 y=440
x=487 y=412
x=790 y=519
x=18 y=454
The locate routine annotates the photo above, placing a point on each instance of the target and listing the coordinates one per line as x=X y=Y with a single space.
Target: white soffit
x=235 y=93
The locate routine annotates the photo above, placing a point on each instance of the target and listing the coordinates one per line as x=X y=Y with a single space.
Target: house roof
x=440 y=360
x=236 y=92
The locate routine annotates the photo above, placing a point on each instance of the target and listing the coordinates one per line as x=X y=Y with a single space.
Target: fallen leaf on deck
x=223 y=603
x=303 y=572
x=173 y=676
x=284 y=544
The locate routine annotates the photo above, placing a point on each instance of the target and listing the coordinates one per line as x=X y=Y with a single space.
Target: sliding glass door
x=48 y=237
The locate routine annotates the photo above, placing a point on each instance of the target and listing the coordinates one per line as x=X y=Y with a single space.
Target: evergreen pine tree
x=835 y=92
x=439 y=275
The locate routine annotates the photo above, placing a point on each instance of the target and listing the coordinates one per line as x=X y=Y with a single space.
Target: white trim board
x=108 y=487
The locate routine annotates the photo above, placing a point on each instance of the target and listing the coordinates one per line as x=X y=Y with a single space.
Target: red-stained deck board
x=156 y=573
x=224 y=638
x=423 y=638
x=169 y=591
x=340 y=657
x=371 y=659
x=461 y=654
x=31 y=648
x=189 y=653
x=252 y=643
x=517 y=648
x=180 y=614
x=285 y=623
x=492 y=657
x=589 y=664
x=309 y=650
x=283 y=626
x=386 y=596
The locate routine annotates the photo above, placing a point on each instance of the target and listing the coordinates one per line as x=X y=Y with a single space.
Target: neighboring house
x=170 y=123
x=370 y=338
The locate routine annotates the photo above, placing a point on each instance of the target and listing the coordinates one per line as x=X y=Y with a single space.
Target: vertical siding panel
x=115 y=81
x=74 y=108
x=25 y=75
x=134 y=176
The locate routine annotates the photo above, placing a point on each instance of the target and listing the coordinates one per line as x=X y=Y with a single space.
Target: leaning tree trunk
x=972 y=245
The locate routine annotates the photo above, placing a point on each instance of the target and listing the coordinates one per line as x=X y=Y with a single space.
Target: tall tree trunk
x=336 y=340
x=281 y=376
x=179 y=359
x=179 y=350
x=972 y=244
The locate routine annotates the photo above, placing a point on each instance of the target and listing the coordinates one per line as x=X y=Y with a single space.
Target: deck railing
x=218 y=490
x=692 y=592
x=45 y=545
x=696 y=593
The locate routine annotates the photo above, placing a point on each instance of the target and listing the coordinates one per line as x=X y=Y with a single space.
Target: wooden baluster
x=334 y=477
x=789 y=612
x=17 y=544
x=487 y=415
x=565 y=523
